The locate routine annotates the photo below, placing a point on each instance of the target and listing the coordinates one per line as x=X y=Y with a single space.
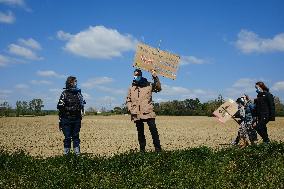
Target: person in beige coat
x=140 y=105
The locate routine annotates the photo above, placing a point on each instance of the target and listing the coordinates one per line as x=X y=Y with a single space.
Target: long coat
x=139 y=99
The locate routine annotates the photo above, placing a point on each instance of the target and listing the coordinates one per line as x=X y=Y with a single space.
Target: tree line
x=193 y=107
x=33 y=107
x=187 y=107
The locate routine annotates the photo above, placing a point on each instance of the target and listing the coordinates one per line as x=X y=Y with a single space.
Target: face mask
x=258 y=89
x=75 y=85
x=137 y=78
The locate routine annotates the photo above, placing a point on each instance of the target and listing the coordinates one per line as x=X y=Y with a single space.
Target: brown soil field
x=109 y=135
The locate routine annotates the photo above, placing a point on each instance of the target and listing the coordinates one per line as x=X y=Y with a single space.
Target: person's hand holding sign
x=154 y=73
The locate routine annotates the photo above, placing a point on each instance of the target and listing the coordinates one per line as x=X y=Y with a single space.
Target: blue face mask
x=75 y=85
x=137 y=78
x=258 y=90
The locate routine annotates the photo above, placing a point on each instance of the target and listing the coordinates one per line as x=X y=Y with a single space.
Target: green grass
x=259 y=166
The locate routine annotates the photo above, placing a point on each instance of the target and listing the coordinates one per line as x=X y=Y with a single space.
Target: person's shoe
x=66 y=151
x=266 y=142
x=77 y=150
x=234 y=143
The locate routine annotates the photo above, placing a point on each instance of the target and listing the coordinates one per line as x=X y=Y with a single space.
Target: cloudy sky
x=225 y=45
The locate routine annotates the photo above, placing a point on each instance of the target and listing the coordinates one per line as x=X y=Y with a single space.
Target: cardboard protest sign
x=163 y=62
x=226 y=111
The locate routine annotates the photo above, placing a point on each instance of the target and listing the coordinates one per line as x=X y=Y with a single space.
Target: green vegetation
x=258 y=166
x=187 y=107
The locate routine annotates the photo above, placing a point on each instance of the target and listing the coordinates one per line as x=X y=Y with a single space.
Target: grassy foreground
x=259 y=166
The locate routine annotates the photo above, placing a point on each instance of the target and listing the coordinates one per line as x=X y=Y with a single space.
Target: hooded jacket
x=139 y=99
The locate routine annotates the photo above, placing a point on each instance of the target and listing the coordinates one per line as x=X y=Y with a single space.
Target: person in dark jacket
x=71 y=108
x=264 y=109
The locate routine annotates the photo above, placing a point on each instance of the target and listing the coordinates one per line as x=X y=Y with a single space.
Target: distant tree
x=91 y=111
x=5 y=109
x=117 y=110
x=124 y=109
x=35 y=106
x=19 y=108
x=25 y=107
x=279 y=107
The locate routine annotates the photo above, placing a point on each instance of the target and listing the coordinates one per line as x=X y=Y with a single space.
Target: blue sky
x=225 y=45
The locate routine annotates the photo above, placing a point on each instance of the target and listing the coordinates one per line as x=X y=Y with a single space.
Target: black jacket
x=265 y=106
x=70 y=103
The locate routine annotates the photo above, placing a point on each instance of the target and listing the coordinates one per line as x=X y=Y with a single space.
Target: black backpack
x=73 y=104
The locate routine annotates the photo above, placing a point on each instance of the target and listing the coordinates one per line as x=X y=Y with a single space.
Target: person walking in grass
x=71 y=108
x=265 y=110
x=140 y=105
x=246 y=131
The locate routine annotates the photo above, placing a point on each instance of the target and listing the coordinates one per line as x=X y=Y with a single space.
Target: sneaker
x=77 y=150
x=66 y=151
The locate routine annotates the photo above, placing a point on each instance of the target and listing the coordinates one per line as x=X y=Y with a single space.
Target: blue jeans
x=71 y=129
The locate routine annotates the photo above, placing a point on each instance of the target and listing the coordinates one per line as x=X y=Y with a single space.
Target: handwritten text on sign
x=226 y=111
x=164 y=63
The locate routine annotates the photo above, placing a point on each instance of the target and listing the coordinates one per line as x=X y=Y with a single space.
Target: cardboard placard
x=226 y=111
x=163 y=62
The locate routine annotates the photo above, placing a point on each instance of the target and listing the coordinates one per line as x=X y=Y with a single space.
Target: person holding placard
x=140 y=105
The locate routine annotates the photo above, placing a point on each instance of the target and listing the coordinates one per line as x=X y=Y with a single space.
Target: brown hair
x=262 y=86
x=69 y=81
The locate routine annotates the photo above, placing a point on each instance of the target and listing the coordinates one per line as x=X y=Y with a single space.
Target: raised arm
x=156 y=86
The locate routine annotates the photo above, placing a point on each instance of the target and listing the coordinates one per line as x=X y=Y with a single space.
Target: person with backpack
x=264 y=110
x=140 y=105
x=71 y=108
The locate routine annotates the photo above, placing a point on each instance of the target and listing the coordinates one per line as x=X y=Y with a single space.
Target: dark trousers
x=71 y=129
x=262 y=129
x=154 y=132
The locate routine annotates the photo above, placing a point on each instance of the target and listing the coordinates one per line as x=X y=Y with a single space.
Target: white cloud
x=174 y=90
x=7 y=18
x=240 y=87
x=107 y=102
x=20 y=3
x=98 y=42
x=180 y=93
x=16 y=3
x=55 y=90
x=31 y=43
x=23 y=52
x=4 y=60
x=245 y=83
x=93 y=82
x=63 y=35
x=191 y=60
x=40 y=82
x=111 y=90
x=49 y=73
x=5 y=93
x=86 y=96
x=250 y=42
x=22 y=86
x=278 y=86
